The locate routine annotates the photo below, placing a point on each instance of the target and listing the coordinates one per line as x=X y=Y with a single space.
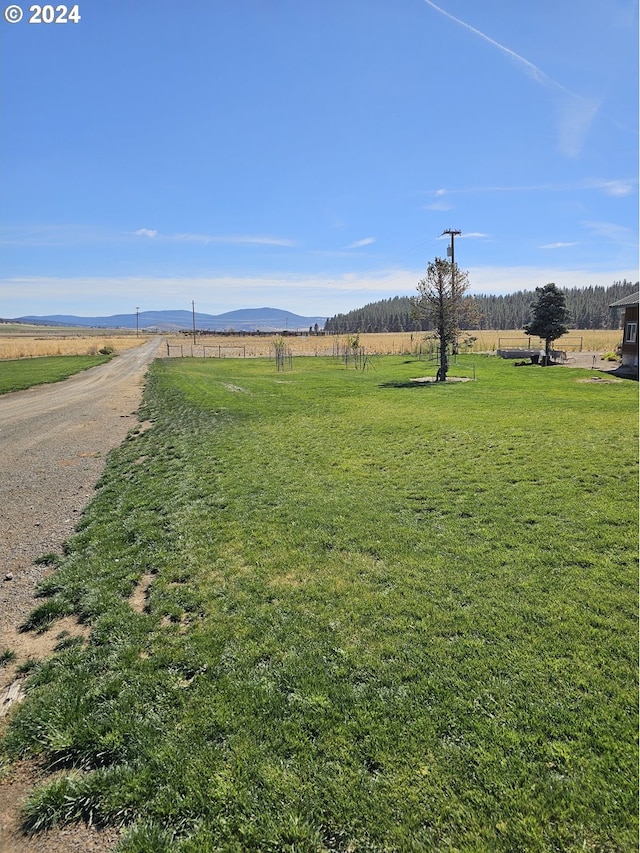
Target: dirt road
x=54 y=440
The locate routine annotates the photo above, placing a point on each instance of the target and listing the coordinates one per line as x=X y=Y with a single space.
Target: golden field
x=29 y=343
x=388 y=343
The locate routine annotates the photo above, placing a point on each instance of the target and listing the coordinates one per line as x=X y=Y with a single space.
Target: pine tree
x=550 y=318
x=589 y=307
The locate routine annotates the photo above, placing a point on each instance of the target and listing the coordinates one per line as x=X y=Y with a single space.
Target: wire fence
x=569 y=343
x=205 y=351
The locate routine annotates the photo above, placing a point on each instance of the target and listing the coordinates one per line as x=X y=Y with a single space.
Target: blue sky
x=308 y=155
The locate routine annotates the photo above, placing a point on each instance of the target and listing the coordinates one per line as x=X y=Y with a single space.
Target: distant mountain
x=243 y=320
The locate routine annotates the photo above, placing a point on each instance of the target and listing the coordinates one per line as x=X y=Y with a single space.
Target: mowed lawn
x=379 y=616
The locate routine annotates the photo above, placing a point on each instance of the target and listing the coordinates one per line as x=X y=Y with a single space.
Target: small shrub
x=41 y=618
x=147 y=837
x=48 y=587
x=68 y=642
x=48 y=559
x=67 y=799
x=106 y=350
x=27 y=666
x=7 y=656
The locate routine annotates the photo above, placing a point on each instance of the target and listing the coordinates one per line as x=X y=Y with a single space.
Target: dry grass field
x=390 y=343
x=31 y=342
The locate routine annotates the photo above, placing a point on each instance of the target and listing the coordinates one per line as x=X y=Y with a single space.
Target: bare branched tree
x=442 y=301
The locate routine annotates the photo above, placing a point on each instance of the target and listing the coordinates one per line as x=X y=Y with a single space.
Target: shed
x=630 y=327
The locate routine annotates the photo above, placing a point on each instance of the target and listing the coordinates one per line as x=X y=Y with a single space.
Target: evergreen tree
x=550 y=318
x=589 y=307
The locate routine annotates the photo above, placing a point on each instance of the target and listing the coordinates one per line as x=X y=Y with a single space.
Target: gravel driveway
x=54 y=440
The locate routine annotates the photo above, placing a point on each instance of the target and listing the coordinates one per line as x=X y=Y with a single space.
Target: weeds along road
x=54 y=440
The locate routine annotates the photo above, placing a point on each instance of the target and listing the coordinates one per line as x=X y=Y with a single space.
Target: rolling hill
x=242 y=320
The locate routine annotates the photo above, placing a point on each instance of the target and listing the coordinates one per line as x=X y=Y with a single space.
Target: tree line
x=587 y=306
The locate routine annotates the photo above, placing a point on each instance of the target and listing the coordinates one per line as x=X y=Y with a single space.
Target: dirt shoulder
x=55 y=440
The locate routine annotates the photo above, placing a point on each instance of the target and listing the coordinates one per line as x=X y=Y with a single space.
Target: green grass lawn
x=20 y=373
x=383 y=617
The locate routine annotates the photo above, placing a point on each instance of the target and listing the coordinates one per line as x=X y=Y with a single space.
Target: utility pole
x=451 y=253
x=137 y=326
x=444 y=365
x=193 y=317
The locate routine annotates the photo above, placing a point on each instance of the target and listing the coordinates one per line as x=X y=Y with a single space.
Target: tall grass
x=383 y=616
x=14 y=346
x=388 y=343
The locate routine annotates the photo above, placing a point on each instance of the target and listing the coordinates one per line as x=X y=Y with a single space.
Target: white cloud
x=367 y=241
x=575 y=112
x=98 y=295
x=462 y=234
x=558 y=245
x=502 y=280
x=226 y=239
x=55 y=235
x=619 y=234
x=439 y=205
x=233 y=239
x=69 y=235
x=310 y=295
x=575 y=116
x=530 y=68
x=615 y=188
x=612 y=187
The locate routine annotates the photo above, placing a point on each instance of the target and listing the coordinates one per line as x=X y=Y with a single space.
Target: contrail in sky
x=532 y=69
